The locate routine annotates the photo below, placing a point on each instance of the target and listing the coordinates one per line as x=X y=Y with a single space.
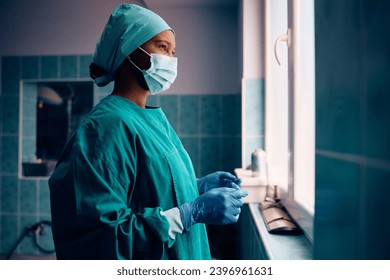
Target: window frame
x=303 y=215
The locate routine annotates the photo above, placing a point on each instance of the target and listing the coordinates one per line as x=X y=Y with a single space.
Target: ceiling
x=155 y=4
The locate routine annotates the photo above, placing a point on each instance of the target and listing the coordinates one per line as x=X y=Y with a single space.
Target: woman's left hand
x=218 y=179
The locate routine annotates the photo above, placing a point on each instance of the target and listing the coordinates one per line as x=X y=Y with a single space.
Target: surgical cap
x=128 y=27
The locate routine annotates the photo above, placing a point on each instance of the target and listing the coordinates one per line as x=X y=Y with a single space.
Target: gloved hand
x=218 y=179
x=218 y=206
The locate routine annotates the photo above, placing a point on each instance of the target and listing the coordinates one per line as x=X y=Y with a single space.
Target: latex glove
x=218 y=179
x=218 y=206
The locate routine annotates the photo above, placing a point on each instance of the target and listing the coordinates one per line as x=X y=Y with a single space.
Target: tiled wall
x=250 y=246
x=209 y=126
x=352 y=130
x=253 y=117
x=26 y=201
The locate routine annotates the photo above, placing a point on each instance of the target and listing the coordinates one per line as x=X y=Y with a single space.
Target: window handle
x=285 y=38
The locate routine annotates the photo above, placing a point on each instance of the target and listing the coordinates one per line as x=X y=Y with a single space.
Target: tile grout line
x=58 y=67
x=220 y=133
x=18 y=225
x=199 y=142
x=38 y=214
x=363 y=133
x=40 y=67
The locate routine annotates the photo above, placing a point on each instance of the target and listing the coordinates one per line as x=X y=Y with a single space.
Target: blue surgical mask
x=162 y=72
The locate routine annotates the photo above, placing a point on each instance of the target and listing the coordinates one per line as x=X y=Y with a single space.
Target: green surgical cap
x=128 y=27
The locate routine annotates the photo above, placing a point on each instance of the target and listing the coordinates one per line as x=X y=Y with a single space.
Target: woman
x=124 y=186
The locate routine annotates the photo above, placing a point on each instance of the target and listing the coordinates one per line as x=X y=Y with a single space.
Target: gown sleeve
x=91 y=219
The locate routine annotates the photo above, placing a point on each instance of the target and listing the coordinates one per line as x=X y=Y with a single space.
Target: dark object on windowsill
x=276 y=218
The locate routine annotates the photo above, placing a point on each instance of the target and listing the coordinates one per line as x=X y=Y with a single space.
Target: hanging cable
x=35 y=229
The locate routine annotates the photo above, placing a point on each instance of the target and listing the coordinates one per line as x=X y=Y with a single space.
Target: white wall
x=207 y=37
x=44 y=27
x=207 y=49
x=252 y=33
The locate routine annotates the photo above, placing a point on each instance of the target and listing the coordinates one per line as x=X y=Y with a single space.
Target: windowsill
x=281 y=247
x=277 y=247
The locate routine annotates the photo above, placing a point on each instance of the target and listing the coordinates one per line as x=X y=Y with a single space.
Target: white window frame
x=290 y=128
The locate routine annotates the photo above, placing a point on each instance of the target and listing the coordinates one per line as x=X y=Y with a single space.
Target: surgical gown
x=118 y=171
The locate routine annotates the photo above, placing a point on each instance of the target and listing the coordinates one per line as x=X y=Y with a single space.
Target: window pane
x=304 y=89
x=276 y=141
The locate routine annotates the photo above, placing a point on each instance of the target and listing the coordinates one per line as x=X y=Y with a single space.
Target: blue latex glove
x=218 y=179
x=218 y=206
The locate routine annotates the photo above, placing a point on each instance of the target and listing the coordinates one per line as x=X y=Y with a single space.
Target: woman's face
x=163 y=43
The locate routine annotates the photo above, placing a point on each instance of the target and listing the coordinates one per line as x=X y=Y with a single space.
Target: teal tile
x=84 y=62
x=153 y=100
x=9 y=230
x=9 y=154
x=377 y=136
x=30 y=91
x=338 y=122
x=100 y=92
x=230 y=153
x=189 y=115
x=9 y=194
x=231 y=115
x=49 y=67
x=45 y=240
x=336 y=228
x=29 y=128
x=29 y=108
x=27 y=245
x=377 y=70
x=68 y=66
x=46 y=218
x=254 y=107
x=44 y=197
x=30 y=67
x=376 y=226
x=10 y=75
x=28 y=196
x=170 y=105
x=210 y=150
x=210 y=115
x=191 y=144
x=29 y=149
x=10 y=114
x=1 y=161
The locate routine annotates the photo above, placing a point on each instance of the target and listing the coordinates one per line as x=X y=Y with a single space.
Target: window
x=289 y=114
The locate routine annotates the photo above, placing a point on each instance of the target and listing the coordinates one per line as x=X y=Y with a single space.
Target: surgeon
x=124 y=186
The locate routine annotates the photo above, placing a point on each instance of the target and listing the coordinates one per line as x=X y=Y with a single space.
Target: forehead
x=166 y=36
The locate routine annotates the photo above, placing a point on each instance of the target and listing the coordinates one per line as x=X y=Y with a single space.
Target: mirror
x=52 y=111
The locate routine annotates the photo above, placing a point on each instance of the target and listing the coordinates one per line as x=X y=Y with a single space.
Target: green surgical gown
x=118 y=171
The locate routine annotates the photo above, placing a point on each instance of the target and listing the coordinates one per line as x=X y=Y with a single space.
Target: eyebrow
x=165 y=41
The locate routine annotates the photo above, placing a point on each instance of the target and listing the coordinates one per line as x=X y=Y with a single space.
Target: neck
x=137 y=96
x=129 y=88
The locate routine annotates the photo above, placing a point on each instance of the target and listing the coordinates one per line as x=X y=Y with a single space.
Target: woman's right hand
x=218 y=206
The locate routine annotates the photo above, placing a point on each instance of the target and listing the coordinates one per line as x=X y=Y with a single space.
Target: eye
x=162 y=47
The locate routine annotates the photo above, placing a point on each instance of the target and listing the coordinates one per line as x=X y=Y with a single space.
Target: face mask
x=161 y=74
